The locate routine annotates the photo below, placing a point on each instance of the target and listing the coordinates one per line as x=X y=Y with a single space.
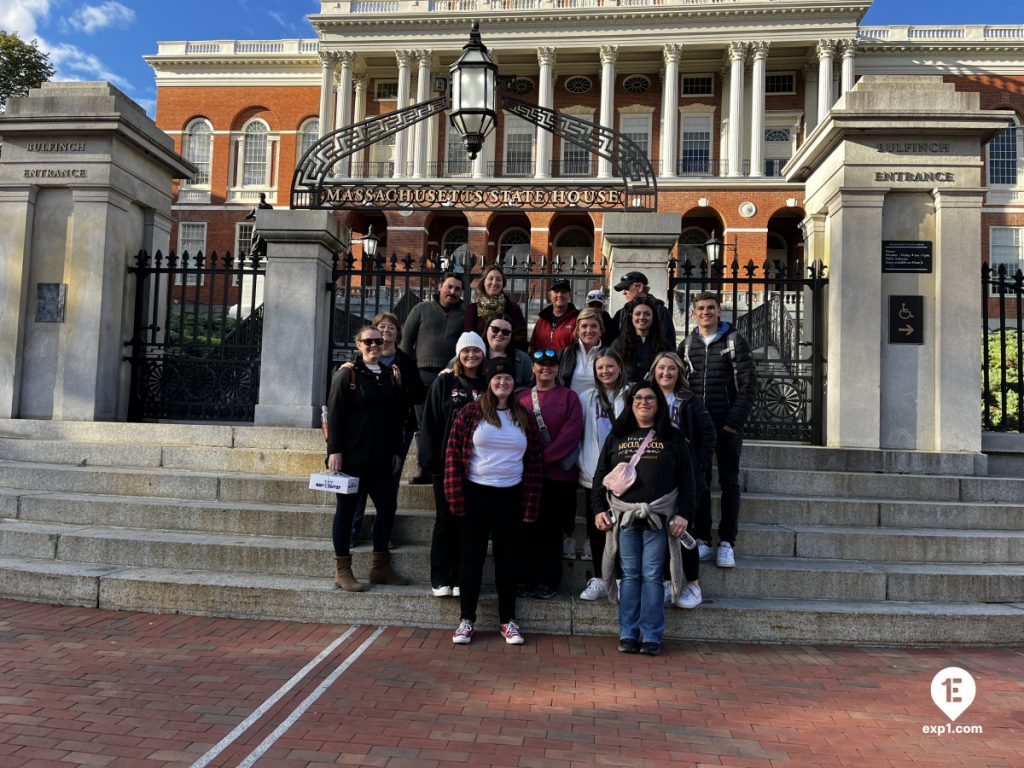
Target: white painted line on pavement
x=243 y=726
x=309 y=701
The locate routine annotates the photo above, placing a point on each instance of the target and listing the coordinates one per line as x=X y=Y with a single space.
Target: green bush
x=992 y=400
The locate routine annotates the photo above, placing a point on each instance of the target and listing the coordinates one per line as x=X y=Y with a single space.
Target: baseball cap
x=629 y=278
x=595 y=295
x=559 y=284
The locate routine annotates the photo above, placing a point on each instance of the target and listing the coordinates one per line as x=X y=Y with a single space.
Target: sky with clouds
x=106 y=39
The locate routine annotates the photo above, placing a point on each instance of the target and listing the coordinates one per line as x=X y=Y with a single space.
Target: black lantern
x=473 y=78
x=713 y=248
x=370 y=243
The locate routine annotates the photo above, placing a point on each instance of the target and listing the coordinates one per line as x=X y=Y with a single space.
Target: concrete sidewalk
x=98 y=688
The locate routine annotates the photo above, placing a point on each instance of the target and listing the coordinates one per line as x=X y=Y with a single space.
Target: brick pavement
x=98 y=688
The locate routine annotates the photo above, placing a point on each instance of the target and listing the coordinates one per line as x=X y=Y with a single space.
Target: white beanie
x=469 y=339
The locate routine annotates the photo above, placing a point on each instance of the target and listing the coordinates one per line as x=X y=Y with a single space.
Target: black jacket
x=697 y=426
x=411 y=385
x=447 y=395
x=722 y=374
x=364 y=419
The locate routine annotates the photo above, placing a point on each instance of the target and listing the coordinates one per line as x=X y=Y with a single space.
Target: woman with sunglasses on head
x=493 y=301
x=407 y=375
x=646 y=515
x=492 y=482
x=687 y=414
x=601 y=404
x=451 y=391
x=556 y=412
x=365 y=412
x=641 y=339
x=576 y=363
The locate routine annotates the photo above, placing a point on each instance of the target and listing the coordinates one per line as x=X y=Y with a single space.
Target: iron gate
x=195 y=350
x=781 y=312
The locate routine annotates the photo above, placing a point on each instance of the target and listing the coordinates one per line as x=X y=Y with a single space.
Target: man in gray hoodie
x=429 y=336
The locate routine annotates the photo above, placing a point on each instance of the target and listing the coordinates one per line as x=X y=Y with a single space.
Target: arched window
x=309 y=132
x=1003 y=156
x=514 y=243
x=256 y=165
x=198 y=150
x=691 y=245
x=455 y=242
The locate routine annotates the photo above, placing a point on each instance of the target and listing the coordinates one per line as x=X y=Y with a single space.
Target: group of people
x=510 y=430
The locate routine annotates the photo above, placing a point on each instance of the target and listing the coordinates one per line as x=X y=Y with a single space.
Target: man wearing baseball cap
x=634 y=285
x=557 y=321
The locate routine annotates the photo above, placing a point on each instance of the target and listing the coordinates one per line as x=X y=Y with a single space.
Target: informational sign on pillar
x=906 y=319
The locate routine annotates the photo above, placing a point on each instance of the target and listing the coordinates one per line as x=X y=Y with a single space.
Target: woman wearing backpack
x=449 y=393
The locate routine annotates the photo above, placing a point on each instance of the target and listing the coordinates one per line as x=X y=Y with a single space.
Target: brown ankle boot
x=343 y=575
x=381 y=571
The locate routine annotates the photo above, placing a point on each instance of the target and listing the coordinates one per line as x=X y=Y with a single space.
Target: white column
x=404 y=60
x=545 y=98
x=673 y=53
x=609 y=54
x=759 y=51
x=826 y=52
x=810 y=96
x=359 y=114
x=240 y=161
x=737 y=57
x=849 y=64
x=343 y=100
x=422 y=94
x=326 y=85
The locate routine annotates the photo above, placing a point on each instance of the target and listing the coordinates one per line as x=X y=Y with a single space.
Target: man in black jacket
x=722 y=372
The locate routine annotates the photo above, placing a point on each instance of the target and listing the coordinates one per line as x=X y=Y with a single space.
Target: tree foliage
x=22 y=66
x=1004 y=379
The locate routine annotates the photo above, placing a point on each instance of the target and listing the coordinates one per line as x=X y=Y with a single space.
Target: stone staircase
x=870 y=547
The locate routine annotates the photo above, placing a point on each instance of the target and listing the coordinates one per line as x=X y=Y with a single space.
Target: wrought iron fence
x=362 y=289
x=1002 y=309
x=780 y=310
x=198 y=335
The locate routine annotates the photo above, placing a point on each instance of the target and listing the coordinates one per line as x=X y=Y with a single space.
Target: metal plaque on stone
x=907 y=256
x=906 y=319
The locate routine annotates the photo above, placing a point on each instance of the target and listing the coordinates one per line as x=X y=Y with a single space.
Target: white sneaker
x=726 y=557
x=595 y=590
x=464 y=634
x=690 y=598
x=568 y=549
x=667 y=586
x=705 y=551
x=456 y=592
x=512 y=634
x=586 y=554
x=442 y=591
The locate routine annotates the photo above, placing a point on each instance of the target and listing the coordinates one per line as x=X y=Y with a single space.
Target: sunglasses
x=544 y=355
x=372 y=342
x=500 y=331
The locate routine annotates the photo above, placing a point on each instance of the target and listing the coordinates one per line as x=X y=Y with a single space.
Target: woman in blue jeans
x=645 y=520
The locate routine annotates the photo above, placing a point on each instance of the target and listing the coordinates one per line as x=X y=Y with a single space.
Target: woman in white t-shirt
x=492 y=481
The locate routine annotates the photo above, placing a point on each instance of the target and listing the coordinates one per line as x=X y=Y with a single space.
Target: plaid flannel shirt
x=460 y=450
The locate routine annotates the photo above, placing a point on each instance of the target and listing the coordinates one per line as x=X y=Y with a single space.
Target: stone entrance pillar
x=85 y=183
x=296 y=314
x=893 y=202
x=639 y=242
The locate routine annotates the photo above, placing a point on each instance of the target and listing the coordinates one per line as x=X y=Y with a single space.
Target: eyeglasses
x=542 y=355
x=500 y=331
x=645 y=399
x=372 y=342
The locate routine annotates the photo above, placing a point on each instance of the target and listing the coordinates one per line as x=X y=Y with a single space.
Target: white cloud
x=21 y=16
x=91 y=18
x=73 y=63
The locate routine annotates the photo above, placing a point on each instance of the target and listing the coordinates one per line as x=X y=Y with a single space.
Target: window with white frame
x=576 y=160
x=637 y=128
x=255 y=161
x=309 y=133
x=191 y=241
x=456 y=161
x=518 y=146
x=198 y=150
x=698 y=85
x=1003 y=156
x=243 y=244
x=695 y=145
x=454 y=245
x=386 y=90
x=515 y=244
x=691 y=245
x=1005 y=248
x=780 y=83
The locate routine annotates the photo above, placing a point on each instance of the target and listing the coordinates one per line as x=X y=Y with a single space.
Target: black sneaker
x=628 y=645
x=421 y=478
x=544 y=592
x=650 y=649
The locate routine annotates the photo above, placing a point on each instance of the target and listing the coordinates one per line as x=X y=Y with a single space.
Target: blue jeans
x=642 y=553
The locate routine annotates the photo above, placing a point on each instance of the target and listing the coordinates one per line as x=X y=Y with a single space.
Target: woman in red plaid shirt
x=492 y=480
